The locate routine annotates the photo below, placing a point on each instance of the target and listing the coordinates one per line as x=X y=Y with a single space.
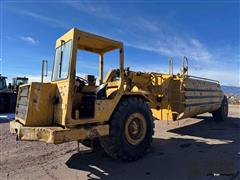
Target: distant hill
x=231 y=90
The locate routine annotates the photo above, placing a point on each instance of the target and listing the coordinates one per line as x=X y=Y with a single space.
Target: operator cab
x=86 y=88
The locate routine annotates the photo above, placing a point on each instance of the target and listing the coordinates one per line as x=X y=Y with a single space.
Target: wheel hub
x=135 y=128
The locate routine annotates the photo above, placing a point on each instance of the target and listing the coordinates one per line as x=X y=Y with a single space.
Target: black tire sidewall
x=223 y=115
x=126 y=112
x=219 y=115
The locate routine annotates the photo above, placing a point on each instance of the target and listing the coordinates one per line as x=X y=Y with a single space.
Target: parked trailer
x=118 y=113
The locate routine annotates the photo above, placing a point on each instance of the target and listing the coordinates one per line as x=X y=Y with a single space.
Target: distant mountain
x=231 y=90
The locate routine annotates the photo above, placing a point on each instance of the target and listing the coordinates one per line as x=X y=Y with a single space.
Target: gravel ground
x=193 y=148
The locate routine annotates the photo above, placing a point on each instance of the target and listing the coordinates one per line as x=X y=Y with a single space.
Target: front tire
x=131 y=130
x=222 y=113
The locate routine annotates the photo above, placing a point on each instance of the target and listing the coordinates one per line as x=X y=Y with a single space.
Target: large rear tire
x=131 y=130
x=222 y=113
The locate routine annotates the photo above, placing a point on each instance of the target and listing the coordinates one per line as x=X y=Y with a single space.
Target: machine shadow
x=7 y=117
x=208 y=128
x=174 y=158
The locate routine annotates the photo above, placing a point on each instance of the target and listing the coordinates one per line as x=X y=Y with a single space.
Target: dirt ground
x=193 y=148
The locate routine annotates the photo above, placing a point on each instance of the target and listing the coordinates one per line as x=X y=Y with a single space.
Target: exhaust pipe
x=44 y=66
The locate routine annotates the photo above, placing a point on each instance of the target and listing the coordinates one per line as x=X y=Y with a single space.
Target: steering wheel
x=84 y=80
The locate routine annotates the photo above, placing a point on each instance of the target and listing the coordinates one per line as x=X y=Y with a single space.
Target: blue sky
x=208 y=33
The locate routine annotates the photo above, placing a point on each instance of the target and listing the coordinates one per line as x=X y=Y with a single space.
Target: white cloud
x=29 y=40
x=219 y=63
x=50 y=20
x=146 y=25
x=99 y=10
x=229 y=77
x=169 y=44
x=33 y=78
x=157 y=35
x=37 y=78
x=145 y=34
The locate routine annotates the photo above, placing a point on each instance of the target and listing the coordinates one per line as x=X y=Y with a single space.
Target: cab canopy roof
x=91 y=42
x=20 y=78
x=2 y=77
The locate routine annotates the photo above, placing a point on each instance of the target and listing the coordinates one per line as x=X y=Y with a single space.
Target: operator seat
x=100 y=92
x=87 y=106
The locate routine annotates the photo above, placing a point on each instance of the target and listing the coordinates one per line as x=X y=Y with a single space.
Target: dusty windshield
x=61 y=62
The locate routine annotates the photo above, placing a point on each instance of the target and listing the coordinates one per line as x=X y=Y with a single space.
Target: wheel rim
x=135 y=128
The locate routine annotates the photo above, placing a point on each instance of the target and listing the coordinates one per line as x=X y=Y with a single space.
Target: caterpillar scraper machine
x=118 y=113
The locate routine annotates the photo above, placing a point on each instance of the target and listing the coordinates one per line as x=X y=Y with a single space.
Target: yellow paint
x=56 y=134
x=46 y=111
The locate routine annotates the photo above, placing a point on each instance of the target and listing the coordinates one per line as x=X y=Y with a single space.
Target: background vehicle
x=17 y=81
x=119 y=112
x=7 y=97
x=8 y=94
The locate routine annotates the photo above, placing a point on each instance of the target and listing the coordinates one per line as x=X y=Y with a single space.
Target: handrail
x=184 y=66
x=201 y=78
x=170 y=66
